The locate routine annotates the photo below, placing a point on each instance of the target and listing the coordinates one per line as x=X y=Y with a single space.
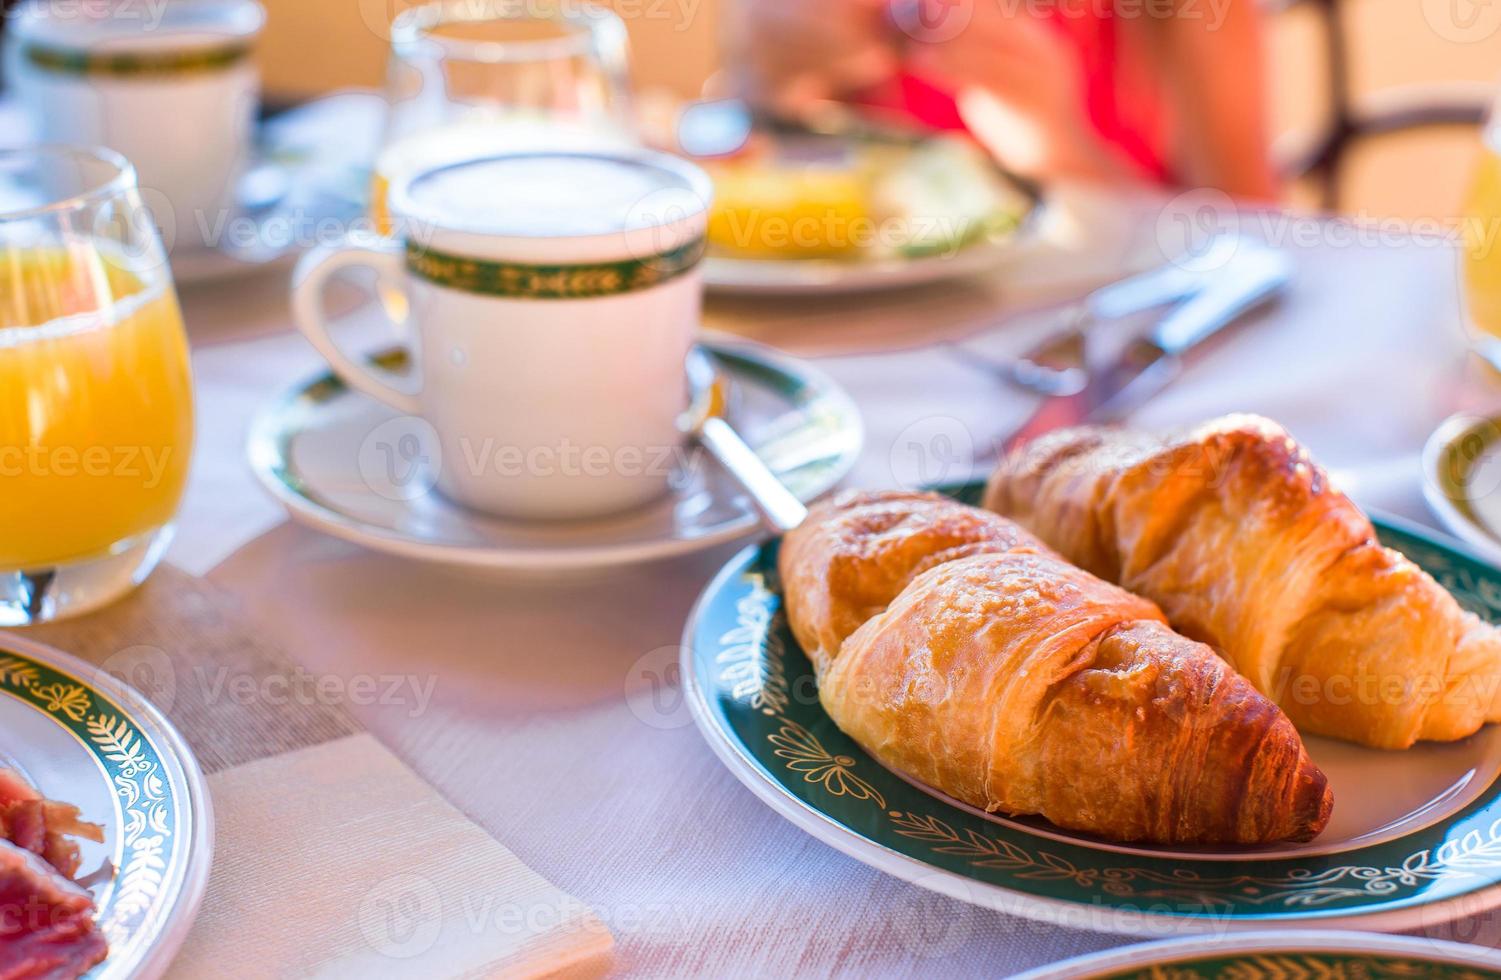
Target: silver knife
x=1056 y=365
x=1254 y=275
x=1168 y=283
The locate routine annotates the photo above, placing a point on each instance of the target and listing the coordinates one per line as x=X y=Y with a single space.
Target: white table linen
x=540 y=726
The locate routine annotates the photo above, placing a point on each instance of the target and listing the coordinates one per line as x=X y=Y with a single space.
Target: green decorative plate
x=1277 y=956
x=1415 y=839
x=82 y=737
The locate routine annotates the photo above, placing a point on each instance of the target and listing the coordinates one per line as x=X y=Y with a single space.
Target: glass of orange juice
x=96 y=402
x=471 y=78
x=1481 y=262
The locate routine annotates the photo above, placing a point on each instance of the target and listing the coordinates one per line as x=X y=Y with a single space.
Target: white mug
x=171 y=87
x=553 y=299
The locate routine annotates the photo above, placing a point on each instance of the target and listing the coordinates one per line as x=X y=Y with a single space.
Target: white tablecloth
x=529 y=728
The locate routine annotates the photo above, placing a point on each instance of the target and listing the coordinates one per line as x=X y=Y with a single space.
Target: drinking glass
x=96 y=404
x=1481 y=261
x=470 y=78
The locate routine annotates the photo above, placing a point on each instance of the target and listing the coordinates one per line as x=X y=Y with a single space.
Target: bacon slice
x=43 y=827
x=47 y=927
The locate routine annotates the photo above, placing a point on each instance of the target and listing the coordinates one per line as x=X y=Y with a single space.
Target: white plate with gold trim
x=350 y=467
x=81 y=736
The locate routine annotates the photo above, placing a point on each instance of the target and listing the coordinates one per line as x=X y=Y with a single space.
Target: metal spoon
x=780 y=510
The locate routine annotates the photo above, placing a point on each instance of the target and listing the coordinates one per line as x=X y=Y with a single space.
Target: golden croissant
x=855 y=553
x=1238 y=535
x=959 y=651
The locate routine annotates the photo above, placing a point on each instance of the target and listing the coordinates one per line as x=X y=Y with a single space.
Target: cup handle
x=384 y=257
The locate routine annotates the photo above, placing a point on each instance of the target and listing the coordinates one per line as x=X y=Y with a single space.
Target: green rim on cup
x=579 y=281
x=135 y=64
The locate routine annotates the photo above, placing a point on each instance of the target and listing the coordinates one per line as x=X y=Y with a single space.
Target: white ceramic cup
x=553 y=300
x=171 y=87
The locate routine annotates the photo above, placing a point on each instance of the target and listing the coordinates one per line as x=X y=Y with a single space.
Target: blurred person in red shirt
x=1168 y=92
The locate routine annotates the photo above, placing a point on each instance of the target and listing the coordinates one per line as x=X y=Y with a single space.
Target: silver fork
x=1058 y=364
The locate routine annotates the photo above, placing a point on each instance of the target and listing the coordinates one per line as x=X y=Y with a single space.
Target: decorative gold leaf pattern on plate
x=17 y=673
x=751 y=654
x=64 y=699
x=989 y=852
x=805 y=754
x=1470 y=855
x=144 y=805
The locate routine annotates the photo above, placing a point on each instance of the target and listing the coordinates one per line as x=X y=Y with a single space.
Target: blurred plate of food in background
x=798 y=211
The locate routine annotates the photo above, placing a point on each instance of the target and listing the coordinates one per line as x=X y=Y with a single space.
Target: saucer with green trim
x=1462 y=480
x=335 y=459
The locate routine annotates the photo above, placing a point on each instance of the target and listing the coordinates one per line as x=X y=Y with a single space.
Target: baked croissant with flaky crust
x=1237 y=534
x=990 y=669
x=857 y=551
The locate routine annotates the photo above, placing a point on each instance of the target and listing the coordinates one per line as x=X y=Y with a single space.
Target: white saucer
x=1462 y=480
x=313 y=451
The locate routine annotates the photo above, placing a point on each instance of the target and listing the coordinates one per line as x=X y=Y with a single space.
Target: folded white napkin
x=337 y=861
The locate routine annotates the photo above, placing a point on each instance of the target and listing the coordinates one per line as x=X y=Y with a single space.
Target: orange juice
x=96 y=406
x=1482 y=245
x=380 y=203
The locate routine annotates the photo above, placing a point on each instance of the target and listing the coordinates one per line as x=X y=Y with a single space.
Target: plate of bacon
x=106 y=832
